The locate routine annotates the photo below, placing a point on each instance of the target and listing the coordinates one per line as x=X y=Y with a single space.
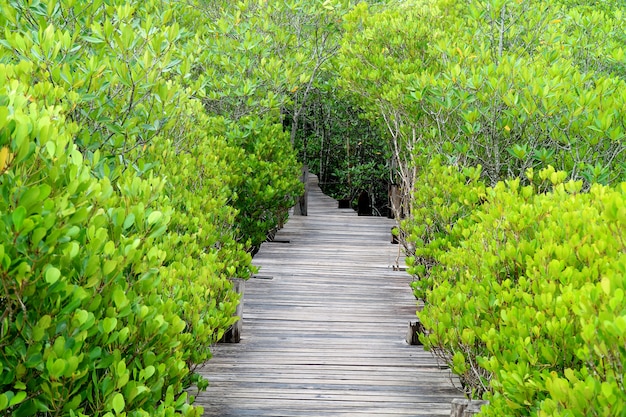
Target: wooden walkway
x=324 y=328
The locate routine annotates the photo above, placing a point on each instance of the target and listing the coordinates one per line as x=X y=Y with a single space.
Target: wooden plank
x=325 y=336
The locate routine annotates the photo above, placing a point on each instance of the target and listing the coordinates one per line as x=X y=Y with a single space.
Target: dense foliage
x=128 y=200
x=505 y=84
x=525 y=295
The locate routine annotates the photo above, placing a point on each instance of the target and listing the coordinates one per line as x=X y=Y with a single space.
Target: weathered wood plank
x=325 y=328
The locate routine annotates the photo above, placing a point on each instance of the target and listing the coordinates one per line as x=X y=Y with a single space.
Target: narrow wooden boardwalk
x=324 y=327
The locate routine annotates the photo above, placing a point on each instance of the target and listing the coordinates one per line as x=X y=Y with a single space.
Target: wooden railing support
x=300 y=208
x=233 y=334
x=462 y=407
x=415 y=329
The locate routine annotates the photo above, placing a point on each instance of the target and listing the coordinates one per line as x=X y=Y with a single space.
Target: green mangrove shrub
x=265 y=175
x=445 y=195
x=120 y=208
x=86 y=328
x=506 y=85
x=527 y=305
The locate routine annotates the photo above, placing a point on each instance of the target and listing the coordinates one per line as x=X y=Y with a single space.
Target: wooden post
x=344 y=203
x=462 y=407
x=474 y=407
x=233 y=335
x=458 y=406
x=365 y=204
x=301 y=206
x=394 y=238
x=415 y=329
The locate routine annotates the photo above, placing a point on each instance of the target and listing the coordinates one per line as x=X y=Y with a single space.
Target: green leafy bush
x=444 y=195
x=506 y=85
x=86 y=328
x=120 y=207
x=129 y=85
x=527 y=301
x=266 y=175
